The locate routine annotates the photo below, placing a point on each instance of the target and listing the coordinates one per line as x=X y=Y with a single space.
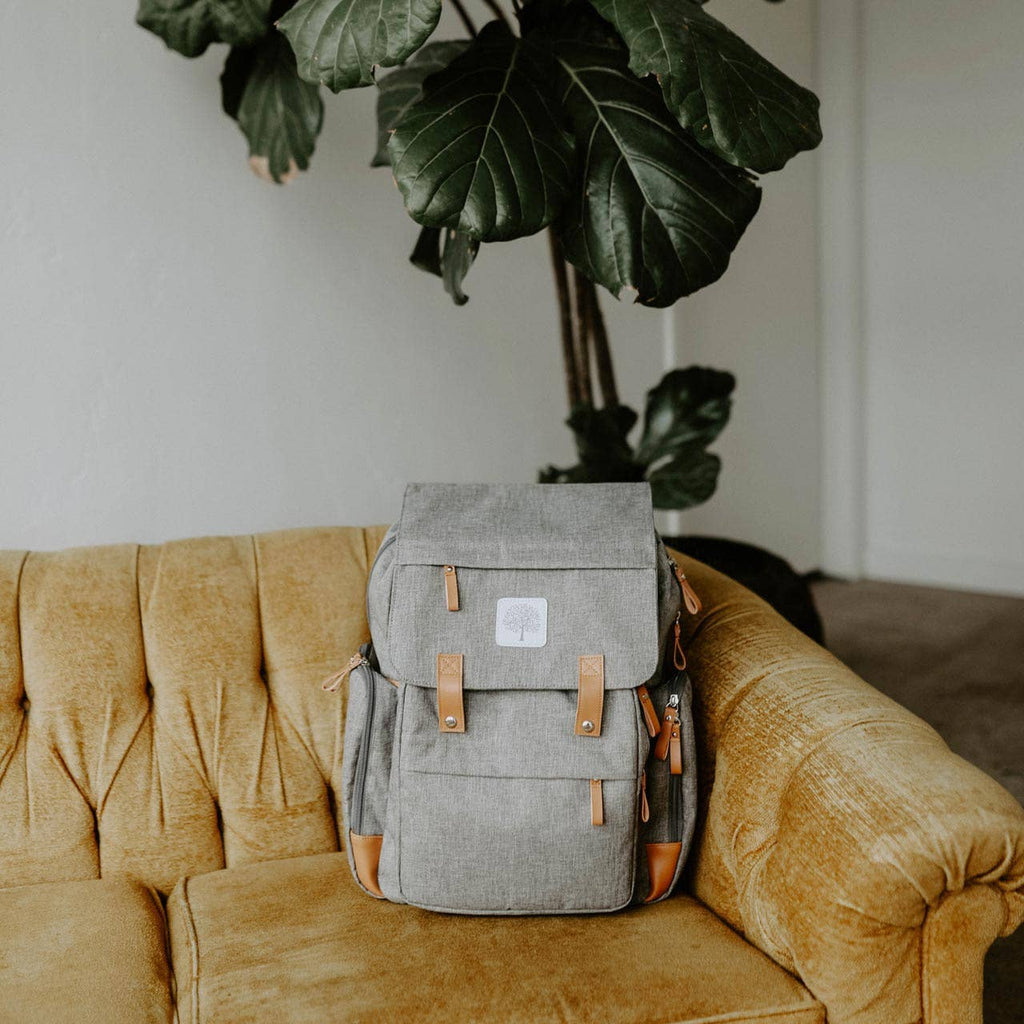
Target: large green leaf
x=482 y=151
x=400 y=89
x=686 y=407
x=189 y=26
x=278 y=113
x=339 y=43
x=655 y=215
x=240 y=22
x=735 y=102
x=184 y=25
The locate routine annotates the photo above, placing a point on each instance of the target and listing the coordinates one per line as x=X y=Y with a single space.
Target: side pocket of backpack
x=366 y=767
x=666 y=838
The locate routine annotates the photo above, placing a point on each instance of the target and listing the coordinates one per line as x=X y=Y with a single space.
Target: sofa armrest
x=838 y=832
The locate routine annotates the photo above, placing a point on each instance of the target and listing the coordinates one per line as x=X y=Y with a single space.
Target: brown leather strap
x=675 y=750
x=450 y=715
x=366 y=857
x=647 y=707
x=596 y=802
x=451 y=588
x=590 y=702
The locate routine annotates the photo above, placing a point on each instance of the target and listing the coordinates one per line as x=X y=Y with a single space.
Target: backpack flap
x=523 y=581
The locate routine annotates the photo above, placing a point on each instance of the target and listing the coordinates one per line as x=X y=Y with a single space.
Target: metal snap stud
x=451 y=721
x=587 y=725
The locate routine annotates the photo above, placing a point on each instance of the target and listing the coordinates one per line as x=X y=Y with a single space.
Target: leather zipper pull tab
x=675 y=751
x=596 y=802
x=333 y=683
x=690 y=598
x=451 y=588
x=647 y=708
x=678 y=655
x=669 y=724
x=645 y=807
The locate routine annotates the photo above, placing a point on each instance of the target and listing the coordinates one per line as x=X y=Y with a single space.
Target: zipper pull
x=675 y=750
x=668 y=723
x=451 y=588
x=645 y=807
x=596 y=803
x=678 y=655
x=647 y=708
x=333 y=683
x=690 y=598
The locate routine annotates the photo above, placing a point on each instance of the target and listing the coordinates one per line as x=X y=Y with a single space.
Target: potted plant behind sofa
x=630 y=131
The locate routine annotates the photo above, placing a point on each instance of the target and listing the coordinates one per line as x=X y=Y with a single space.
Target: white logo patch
x=521 y=622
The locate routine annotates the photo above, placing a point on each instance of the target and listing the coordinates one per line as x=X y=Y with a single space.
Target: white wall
x=941 y=431
x=760 y=322
x=186 y=349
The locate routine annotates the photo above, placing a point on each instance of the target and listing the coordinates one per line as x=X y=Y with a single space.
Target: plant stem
x=495 y=7
x=583 y=335
x=464 y=15
x=602 y=351
x=572 y=383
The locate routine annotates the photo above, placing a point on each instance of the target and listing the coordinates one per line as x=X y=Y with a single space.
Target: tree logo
x=521 y=622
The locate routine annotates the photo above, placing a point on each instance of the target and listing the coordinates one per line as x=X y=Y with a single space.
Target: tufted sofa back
x=160 y=707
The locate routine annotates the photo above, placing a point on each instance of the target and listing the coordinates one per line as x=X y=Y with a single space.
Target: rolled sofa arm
x=838 y=832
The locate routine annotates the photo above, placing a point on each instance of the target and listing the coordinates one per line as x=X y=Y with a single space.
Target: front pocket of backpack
x=366 y=768
x=478 y=844
x=518 y=815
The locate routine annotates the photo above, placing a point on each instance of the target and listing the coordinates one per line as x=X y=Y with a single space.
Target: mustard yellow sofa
x=169 y=823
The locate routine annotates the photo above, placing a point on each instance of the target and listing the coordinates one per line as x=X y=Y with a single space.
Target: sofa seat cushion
x=295 y=941
x=91 y=952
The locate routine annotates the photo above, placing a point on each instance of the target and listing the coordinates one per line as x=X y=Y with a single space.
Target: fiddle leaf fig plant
x=631 y=131
x=684 y=414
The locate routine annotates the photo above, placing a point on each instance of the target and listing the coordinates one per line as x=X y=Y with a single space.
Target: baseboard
x=956 y=570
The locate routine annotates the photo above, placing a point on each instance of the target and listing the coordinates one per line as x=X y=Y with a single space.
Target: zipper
x=693 y=606
x=670 y=745
x=670 y=742
x=333 y=682
x=359 y=782
x=645 y=807
x=665 y=735
x=690 y=598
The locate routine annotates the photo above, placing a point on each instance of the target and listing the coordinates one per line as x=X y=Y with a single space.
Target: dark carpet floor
x=957 y=660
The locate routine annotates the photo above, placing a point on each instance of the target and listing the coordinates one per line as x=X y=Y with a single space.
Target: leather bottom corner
x=366 y=856
x=662 y=859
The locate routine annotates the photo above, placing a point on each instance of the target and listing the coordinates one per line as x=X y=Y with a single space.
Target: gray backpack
x=518 y=737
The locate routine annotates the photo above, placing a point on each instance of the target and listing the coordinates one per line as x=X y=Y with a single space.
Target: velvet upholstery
x=835 y=821
x=297 y=943
x=83 y=953
x=161 y=717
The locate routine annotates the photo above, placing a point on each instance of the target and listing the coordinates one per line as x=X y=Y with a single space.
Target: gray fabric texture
x=528 y=526
x=522 y=846
x=498 y=819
